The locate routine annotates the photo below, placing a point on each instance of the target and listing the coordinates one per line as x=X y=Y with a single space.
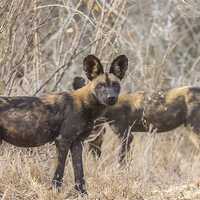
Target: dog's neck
x=89 y=102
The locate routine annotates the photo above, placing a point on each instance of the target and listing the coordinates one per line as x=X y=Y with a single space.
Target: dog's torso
x=165 y=109
x=34 y=121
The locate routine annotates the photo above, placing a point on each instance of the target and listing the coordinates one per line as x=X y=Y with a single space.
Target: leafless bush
x=43 y=43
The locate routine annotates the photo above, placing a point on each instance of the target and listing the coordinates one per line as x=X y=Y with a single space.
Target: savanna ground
x=43 y=44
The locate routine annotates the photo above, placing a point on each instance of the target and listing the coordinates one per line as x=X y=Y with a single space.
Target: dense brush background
x=43 y=44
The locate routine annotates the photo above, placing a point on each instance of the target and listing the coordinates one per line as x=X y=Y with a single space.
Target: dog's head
x=105 y=86
x=78 y=83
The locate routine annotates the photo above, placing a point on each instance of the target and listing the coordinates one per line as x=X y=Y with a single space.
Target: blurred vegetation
x=43 y=42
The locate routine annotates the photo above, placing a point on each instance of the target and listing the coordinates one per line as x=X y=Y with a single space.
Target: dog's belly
x=166 y=120
x=28 y=134
x=28 y=128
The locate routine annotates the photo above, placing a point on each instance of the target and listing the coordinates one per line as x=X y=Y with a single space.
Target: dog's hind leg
x=62 y=148
x=193 y=123
x=125 y=137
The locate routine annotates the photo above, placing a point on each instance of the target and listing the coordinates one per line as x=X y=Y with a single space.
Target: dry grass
x=43 y=44
x=161 y=166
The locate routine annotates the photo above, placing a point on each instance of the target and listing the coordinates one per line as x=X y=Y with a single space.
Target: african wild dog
x=164 y=109
x=95 y=139
x=66 y=118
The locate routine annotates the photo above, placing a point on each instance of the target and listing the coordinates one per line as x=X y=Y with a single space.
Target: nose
x=111 y=97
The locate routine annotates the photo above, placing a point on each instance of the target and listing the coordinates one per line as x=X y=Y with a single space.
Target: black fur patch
x=107 y=79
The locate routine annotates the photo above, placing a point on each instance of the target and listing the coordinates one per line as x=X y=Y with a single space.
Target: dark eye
x=115 y=84
x=100 y=85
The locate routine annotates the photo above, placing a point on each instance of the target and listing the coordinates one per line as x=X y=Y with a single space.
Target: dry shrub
x=43 y=44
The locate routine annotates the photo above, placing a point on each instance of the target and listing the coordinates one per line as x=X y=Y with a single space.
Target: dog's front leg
x=76 y=150
x=62 y=148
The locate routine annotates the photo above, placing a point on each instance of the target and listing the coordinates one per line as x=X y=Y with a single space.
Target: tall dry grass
x=43 y=44
x=163 y=166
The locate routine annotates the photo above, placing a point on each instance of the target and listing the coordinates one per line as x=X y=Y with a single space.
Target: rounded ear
x=78 y=83
x=92 y=67
x=119 y=66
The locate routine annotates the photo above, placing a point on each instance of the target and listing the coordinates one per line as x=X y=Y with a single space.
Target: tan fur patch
x=51 y=98
x=4 y=102
x=80 y=96
x=134 y=100
x=174 y=93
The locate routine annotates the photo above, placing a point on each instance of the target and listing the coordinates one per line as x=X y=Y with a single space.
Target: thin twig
x=190 y=71
x=65 y=65
x=75 y=48
x=29 y=42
